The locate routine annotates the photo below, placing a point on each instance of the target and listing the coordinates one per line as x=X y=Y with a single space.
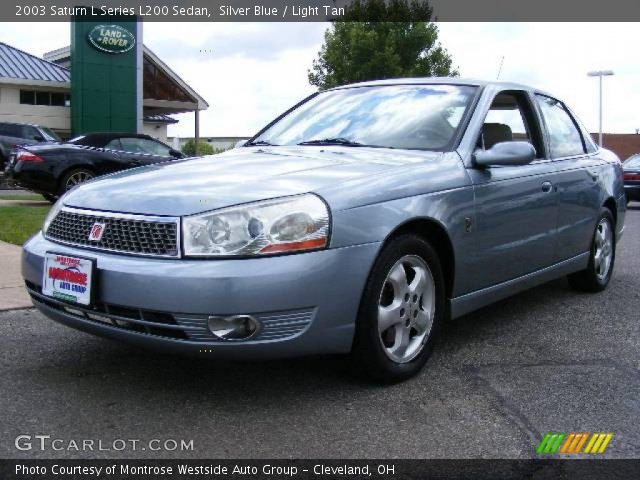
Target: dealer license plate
x=68 y=278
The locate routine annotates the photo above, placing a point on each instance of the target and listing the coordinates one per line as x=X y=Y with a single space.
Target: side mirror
x=240 y=143
x=505 y=153
x=38 y=138
x=176 y=153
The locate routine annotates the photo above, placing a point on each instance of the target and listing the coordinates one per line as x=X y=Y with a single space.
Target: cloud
x=252 y=41
x=556 y=57
x=251 y=72
x=248 y=72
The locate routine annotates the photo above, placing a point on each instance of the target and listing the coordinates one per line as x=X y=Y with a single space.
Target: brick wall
x=623 y=144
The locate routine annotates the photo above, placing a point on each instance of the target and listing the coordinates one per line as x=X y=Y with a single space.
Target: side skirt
x=472 y=301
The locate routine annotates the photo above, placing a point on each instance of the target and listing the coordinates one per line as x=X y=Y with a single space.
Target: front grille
x=127 y=234
x=137 y=320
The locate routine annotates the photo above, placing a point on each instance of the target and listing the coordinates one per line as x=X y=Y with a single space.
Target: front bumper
x=307 y=303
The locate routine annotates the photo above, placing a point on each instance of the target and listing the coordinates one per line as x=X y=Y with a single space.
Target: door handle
x=547 y=187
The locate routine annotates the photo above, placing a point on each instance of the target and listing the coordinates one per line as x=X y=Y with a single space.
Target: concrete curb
x=12 y=292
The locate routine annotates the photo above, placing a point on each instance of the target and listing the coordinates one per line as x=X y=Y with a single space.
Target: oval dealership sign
x=112 y=38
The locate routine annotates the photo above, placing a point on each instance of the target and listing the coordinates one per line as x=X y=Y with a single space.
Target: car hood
x=238 y=176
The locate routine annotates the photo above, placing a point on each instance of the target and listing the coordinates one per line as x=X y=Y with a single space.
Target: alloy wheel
x=603 y=254
x=77 y=178
x=406 y=309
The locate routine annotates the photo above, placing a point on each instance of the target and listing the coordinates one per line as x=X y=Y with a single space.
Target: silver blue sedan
x=357 y=222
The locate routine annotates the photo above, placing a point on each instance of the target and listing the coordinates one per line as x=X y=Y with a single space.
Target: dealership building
x=106 y=81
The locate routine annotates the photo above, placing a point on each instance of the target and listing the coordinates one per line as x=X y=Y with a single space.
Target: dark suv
x=14 y=134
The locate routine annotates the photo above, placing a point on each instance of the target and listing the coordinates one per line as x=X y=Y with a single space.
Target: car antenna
x=500 y=67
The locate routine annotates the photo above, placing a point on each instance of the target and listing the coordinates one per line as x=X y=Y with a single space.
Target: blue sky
x=251 y=72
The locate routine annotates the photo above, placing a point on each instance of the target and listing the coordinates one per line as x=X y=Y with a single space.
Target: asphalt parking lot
x=546 y=360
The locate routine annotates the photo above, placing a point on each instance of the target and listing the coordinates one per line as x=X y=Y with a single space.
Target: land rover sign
x=111 y=38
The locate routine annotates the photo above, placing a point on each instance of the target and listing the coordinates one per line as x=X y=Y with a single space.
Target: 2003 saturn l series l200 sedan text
x=355 y=222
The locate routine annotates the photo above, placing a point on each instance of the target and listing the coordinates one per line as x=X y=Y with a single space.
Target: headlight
x=52 y=214
x=273 y=226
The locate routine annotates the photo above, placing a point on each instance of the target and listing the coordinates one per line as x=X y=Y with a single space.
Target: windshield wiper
x=261 y=142
x=333 y=141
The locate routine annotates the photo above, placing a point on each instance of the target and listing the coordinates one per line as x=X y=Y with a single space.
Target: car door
x=515 y=206
x=578 y=169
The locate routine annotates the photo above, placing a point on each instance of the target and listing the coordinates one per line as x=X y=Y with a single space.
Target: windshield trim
x=453 y=144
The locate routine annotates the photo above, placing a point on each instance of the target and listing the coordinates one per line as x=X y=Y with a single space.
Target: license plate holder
x=69 y=278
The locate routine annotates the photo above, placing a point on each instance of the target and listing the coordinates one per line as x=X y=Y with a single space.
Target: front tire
x=597 y=275
x=401 y=311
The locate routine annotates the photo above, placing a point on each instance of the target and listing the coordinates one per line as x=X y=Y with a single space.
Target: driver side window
x=510 y=119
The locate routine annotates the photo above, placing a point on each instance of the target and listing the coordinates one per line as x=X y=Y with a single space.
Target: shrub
x=204 y=148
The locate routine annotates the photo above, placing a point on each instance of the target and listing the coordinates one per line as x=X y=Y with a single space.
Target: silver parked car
x=357 y=221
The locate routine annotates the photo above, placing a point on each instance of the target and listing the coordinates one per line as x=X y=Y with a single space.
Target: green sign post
x=106 y=75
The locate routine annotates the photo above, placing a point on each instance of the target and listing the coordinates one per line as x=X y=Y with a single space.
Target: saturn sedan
x=357 y=222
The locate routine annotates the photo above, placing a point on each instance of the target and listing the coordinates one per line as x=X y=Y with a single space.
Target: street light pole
x=600 y=74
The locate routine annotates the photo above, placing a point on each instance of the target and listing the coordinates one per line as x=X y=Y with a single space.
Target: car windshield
x=422 y=117
x=50 y=134
x=632 y=162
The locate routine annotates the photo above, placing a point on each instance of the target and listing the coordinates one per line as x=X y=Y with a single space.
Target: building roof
x=159 y=119
x=19 y=65
x=64 y=53
x=201 y=102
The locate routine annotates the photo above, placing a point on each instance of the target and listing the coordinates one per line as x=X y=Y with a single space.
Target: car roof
x=22 y=123
x=444 y=81
x=100 y=139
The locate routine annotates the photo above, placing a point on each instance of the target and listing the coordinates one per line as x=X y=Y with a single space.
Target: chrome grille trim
x=135 y=245
x=275 y=325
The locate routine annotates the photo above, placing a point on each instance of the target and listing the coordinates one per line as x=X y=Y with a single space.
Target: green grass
x=30 y=196
x=17 y=224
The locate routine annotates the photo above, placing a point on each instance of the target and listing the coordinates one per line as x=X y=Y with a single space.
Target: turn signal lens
x=287 y=247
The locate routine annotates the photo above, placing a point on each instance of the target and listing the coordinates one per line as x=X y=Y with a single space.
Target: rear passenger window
x=565 y=139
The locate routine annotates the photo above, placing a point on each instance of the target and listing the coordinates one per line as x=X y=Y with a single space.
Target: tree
x=378 y=39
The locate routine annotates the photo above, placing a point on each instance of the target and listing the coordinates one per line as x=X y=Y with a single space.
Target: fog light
x=236 y=327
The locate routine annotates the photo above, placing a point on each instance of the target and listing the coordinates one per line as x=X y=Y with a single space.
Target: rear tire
x=401 y=311
x=597 y=275
x=75 y=177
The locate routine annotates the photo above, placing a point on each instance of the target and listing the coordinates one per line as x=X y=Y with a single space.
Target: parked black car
x=52 y=169
x=631 y=168
x=15 y=134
